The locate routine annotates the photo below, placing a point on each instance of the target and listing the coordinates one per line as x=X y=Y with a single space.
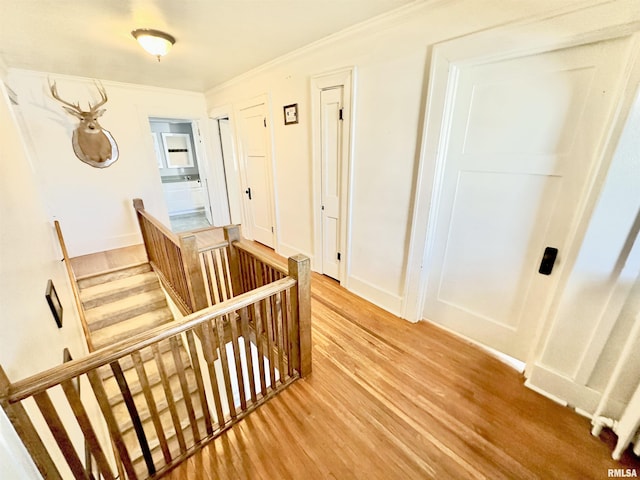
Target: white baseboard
x=383 y=299
x=562 y=389
x=289 y=251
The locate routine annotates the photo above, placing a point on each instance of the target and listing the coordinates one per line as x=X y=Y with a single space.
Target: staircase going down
x=121 y=303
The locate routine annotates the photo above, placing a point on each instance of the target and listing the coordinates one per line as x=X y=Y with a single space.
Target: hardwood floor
x=388 y=399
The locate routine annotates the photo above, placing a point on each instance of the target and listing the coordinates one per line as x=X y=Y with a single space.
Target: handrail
x=40 y=382
x=260 y=255
x=139 y=206
x=74 y=286
x=175 y=259
x=250 y=345
x=211 y=247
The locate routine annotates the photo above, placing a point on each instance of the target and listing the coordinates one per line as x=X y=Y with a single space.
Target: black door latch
x=548 y=259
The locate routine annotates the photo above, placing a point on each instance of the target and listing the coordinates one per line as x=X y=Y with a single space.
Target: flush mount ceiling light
x=155 y=42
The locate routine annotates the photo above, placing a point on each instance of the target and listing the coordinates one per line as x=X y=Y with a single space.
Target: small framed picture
x=291 y=114
x=54 y=303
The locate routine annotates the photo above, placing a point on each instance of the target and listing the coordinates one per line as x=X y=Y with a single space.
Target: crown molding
x=388 y=19
x=384 y=19
x=112 y=83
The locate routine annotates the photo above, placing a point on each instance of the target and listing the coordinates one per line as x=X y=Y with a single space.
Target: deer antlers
x=75 y=107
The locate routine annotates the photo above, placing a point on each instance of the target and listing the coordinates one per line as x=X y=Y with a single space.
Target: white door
x=203 y=171
x=522 y=137
x=331 y=159
x=255 y=156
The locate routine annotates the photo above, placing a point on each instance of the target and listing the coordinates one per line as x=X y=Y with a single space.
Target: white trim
x=523 y=39
x=388 y=301
x=399 y=14
x=81 y=247
x=345 y=78
x=231 y=175
x=626 y=272
x=106 y=83
x=565 y=391
x=214 y=181
x=202 y=151
x=607 y=151
x=287 y=251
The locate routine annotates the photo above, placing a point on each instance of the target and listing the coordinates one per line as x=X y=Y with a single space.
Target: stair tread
x=91 y=279
x=123 y=304
x=127 y=362
x=117 y=287
x=162 y=405
x=130 y=327
x=133 y=303
x=153 y=376
x=172 y=442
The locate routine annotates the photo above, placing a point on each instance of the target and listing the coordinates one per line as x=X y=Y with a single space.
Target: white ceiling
x=216 y=39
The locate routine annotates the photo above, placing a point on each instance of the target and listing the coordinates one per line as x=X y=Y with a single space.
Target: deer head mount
x=91 y=143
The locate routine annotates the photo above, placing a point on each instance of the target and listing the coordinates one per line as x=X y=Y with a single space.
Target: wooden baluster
x=286 y=322
x=195 y=362
x=208 y=349
x=250 y=274
x=242 y=273
x=234 y=318
x=279 y=334
x=227 y=272
x=268 y=323
x=116 y=436
x=259 y=333
x=246 y=335
x=205 y=264
x=20 y=420
x=258 y=273
x=60 y=434
x=299 y=268
x=218 y=336
x=153 y=410
x=216 y=270
x=135 y=416
x=188 y=273
x=186 y=394
x=91 y=440
x=231 y=235
x=166 y=385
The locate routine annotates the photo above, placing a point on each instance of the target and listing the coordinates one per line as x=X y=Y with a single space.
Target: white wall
x=390 y=55
x=94 y=205
x=30 y=340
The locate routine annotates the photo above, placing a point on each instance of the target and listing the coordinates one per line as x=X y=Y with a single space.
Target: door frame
x=222 y=163
x=202 y=141
x=271 y=182
x=524 y=38
x=345 y=78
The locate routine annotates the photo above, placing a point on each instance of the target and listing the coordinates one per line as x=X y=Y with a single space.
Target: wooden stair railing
x=280 y=313
x=74 y=286
x=175 y=259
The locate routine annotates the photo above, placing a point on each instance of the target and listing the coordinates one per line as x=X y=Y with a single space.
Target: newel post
x=300 y=269
x=232 y=234
x=193 y=272
x=138 y=205
x=23 y=426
